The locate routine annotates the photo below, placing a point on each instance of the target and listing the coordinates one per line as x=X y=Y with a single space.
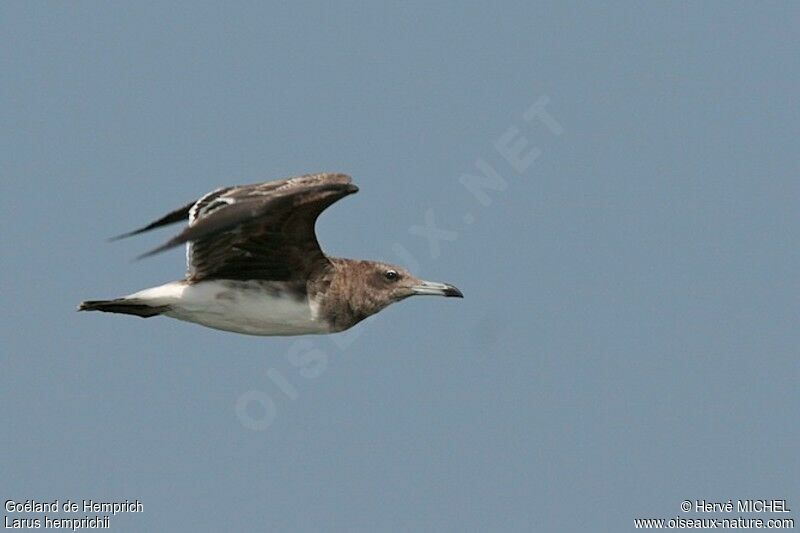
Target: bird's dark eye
x=391 y=275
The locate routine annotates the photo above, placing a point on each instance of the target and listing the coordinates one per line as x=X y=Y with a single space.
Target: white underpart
x=252 y=311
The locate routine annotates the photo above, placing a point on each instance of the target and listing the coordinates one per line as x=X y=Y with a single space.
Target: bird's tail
x=124 y=306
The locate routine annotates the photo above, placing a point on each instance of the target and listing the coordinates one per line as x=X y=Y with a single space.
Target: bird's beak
x=433 y=288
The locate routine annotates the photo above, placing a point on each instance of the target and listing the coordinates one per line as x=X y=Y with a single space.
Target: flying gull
x=254 y=265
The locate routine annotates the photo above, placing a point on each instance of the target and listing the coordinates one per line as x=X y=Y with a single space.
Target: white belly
x=239 y=307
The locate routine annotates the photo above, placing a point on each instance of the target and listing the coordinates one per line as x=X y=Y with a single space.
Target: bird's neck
x=346 y=300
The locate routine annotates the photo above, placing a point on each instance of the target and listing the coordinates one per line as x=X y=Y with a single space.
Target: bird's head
x=373 y=285
x=395 y=283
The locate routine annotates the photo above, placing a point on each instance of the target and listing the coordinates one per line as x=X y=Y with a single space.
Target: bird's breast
x=253 y=308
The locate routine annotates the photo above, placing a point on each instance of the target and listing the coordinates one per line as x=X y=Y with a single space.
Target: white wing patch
x=202 y=207
x=208 y=203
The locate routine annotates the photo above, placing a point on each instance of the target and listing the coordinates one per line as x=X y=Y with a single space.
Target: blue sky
x=629 y=334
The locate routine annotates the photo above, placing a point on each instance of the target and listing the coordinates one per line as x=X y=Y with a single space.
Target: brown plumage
x=254 y=264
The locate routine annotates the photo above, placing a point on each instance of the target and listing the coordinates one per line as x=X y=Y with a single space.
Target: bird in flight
x=254 y=265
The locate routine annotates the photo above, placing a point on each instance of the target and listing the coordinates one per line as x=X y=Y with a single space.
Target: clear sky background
x=629 y=337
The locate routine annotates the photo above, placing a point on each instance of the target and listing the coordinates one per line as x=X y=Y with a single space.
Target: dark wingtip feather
x=126 y=235
x=155 y=251
x=172 y=243
x=172 y=217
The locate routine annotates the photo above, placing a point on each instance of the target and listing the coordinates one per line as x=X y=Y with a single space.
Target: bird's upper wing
x=260 y=231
